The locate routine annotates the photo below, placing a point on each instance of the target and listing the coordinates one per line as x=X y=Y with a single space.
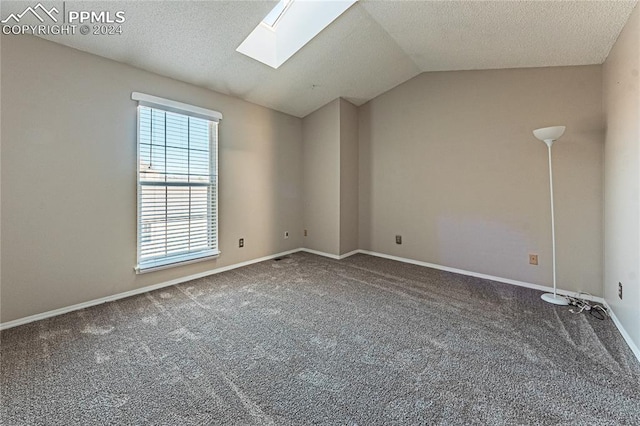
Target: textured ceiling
x=373 y=47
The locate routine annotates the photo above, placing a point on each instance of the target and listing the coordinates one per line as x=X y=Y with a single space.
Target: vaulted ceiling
x=371 y=48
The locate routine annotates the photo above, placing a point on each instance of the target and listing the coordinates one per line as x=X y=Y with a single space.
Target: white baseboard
x=55 y=312
x=484 y=276
x=321 y=253
x=83 y=305
x=349 y=254
x=330 y=255
x=634 y=348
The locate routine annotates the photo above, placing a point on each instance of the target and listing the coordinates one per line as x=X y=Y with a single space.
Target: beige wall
x=445 y=159
x=348 y=177
x=321 y=169
x=622 y=177
x=330 y=168
x=69 y=177
x=448 y=161
x=0 y=183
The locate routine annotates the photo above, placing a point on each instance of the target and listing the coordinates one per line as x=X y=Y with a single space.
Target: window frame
x=213 y=118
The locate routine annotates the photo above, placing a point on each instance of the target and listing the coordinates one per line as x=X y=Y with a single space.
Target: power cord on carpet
x=595 y=309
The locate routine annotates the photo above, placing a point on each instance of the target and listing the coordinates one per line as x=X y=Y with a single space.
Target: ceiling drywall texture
x=463 y=35
x=373 y=47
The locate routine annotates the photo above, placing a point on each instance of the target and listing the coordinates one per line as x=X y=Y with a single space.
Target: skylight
x=289 y=26
x=272 y=18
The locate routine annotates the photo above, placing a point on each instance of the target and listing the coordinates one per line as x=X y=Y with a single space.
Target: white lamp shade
x=549 y=134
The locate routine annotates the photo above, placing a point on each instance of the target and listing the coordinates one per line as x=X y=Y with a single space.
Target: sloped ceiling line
x=373 y=47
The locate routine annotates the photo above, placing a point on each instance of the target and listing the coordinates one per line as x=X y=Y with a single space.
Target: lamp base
x=555 y=299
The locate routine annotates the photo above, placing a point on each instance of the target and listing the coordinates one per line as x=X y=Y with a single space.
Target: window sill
x=159 y=265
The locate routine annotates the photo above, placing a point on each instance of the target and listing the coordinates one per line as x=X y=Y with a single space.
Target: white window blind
x=177 y=185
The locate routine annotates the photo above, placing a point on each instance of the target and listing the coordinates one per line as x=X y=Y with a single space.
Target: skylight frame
x=298 y=23
x=287 y=4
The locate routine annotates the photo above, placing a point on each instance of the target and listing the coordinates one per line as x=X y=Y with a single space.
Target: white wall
x=448 y=161
x=69 y=177
x=622 y=177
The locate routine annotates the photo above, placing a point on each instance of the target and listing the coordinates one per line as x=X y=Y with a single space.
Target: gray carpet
x=308 y=340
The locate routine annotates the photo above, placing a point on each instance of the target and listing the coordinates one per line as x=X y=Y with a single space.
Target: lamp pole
x=553 y=221
x=549 y=135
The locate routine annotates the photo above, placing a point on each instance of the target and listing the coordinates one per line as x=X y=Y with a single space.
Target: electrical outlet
x=305 y=232
x=533 y=259
x=620 y=290
x=286 y=234
x=398 y=239
x=241 y=242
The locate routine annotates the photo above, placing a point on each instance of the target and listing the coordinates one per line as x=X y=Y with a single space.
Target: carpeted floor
x=308 y=340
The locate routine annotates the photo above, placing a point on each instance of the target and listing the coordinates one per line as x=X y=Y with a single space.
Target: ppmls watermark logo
x=42 y=20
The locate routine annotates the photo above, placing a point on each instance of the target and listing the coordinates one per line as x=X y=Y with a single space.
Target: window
x=177 y=183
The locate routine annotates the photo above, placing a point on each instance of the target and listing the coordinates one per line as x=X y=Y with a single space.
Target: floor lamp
x=549 y=135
